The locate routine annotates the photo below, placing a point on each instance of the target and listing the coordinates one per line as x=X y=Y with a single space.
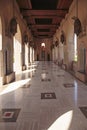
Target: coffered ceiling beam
x=43 y=12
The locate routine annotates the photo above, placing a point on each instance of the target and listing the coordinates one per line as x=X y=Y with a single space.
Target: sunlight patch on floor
x=14 y=86
x=63 y=122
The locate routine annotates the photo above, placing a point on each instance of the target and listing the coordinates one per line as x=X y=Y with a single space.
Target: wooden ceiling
x=43 y=17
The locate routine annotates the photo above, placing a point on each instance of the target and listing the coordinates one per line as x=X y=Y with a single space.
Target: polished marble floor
x=45 y=97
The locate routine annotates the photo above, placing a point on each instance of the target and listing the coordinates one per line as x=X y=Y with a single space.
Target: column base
x=81 y=76
x=9 y=77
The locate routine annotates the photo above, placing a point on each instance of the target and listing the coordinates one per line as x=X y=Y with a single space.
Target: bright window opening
x=43 y=45
x=17 y=51
x=75 y=47
x=26 y=54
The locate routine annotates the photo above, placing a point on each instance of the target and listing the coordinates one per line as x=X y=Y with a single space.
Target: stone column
x=1 y=68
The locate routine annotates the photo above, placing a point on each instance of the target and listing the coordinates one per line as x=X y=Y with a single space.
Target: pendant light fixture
x=62 y=37
x=77 y=23
x=13 y=23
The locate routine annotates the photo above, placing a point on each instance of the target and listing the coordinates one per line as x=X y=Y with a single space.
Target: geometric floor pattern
x=46 y=80
x=60 y=75
x=60 y=104
x=69 y=85
x=9 y=115
x=48 y=96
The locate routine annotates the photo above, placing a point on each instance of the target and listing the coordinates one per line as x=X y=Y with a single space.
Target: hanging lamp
x=77 y=22
x=13 y=23
x=62 y=37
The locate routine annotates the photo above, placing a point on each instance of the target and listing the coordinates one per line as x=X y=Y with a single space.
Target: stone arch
x=43 y=52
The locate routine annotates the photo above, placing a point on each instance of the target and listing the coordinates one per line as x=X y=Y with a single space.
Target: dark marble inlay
x=69 y=85
x=46 y=80
x=60 y=75
x=44 y=72
x=49 y=80
x=48 y=96
x=43 y=68
x=84 y=111
x=9 y=115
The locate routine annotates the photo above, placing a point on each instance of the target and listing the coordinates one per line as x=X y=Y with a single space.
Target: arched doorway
x=53 y=54
x=43 y=51
x=37 y=57
x=48 y=57
x=17 y=51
